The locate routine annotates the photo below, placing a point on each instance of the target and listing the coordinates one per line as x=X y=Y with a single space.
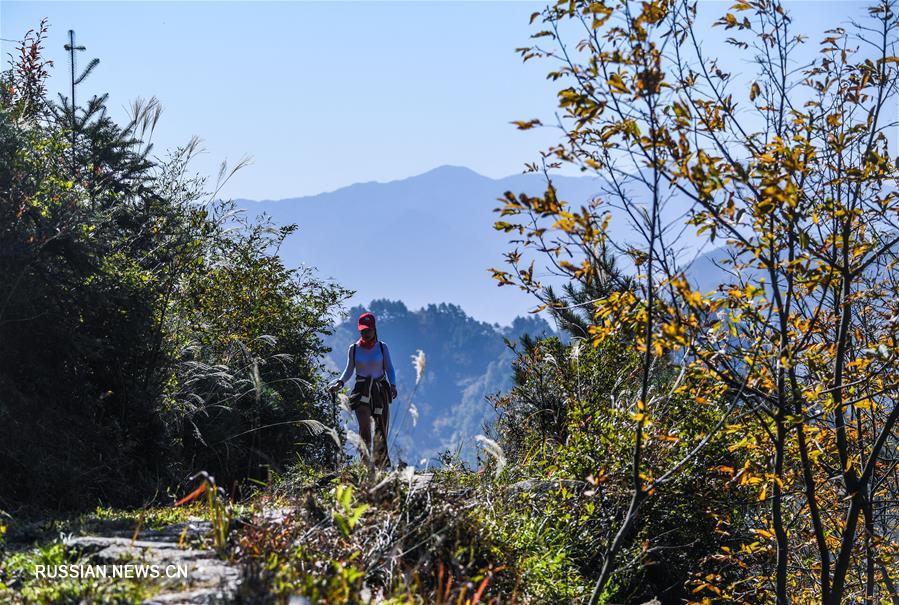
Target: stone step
x=209 y=581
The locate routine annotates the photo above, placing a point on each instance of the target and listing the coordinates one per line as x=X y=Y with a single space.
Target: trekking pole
x=334 y=422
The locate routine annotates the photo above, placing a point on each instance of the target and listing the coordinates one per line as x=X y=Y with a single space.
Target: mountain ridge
x=423 y=238
x=443 y=169
x=466 y=361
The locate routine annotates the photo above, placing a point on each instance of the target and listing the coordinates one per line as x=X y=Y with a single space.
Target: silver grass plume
x=418 y=362
x=576 y=349
x=406 y=474
x=354 y=438
x=344 y=401
x=317 y=428
x=257 y=381
x=494 y=450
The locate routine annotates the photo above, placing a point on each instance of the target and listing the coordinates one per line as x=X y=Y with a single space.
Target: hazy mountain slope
x=466 y=361
x=429 y=237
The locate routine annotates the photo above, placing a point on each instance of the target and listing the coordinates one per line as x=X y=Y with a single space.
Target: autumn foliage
x=788 y=172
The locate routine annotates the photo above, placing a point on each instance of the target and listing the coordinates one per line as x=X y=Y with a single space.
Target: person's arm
x=350 y=367
x=391 y=373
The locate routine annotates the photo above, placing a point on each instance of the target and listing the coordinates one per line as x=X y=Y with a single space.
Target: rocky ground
x=211 y=578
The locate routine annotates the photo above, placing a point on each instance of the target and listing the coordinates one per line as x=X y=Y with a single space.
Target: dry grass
x=410 y=543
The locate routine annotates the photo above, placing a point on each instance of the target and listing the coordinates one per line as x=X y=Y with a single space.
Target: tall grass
x=409 y=413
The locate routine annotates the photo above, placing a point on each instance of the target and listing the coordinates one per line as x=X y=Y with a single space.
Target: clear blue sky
x=326 y=94
x=321 y=95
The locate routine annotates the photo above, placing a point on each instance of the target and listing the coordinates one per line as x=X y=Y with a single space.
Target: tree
x=144 y=328
x=794 y=350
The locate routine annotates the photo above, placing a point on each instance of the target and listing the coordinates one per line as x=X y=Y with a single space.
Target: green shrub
x=563 y=427
x=146 y=331
x=19 y=584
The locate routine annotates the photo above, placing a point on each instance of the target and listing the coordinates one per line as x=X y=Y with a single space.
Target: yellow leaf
x=754 y=91
x=617 y=84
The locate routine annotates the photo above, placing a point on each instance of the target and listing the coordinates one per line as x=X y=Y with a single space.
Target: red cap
x=366 y=320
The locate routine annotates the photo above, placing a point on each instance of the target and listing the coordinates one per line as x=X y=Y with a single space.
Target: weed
x=218 y=508
x=348 y=515
x=20 y=583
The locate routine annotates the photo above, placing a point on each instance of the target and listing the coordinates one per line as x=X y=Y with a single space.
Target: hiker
x=375 y=387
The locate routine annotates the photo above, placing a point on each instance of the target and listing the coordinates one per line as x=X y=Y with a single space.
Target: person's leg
x=382 y=422
x=385 y=432
x=363 y=416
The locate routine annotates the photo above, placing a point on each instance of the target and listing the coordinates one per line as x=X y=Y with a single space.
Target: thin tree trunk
x=844 y=559
x=780 y=532
x=812 y=499
x=868 y=513
x=624 y=535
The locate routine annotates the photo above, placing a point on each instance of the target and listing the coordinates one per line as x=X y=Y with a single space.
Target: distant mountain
x=430 y=237
x=425 y=238
x=466 y=361
x=710 y=269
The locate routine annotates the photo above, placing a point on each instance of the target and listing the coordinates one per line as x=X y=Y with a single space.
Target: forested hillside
x=144 y=328
x=723 y=431
x=467 y=361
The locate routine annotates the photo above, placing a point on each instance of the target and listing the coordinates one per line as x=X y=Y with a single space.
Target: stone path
x=209 y=581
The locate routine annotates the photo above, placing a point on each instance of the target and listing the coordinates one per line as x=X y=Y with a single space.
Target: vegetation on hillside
x=146 y=332
x=732 y=445
x=784 y=373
